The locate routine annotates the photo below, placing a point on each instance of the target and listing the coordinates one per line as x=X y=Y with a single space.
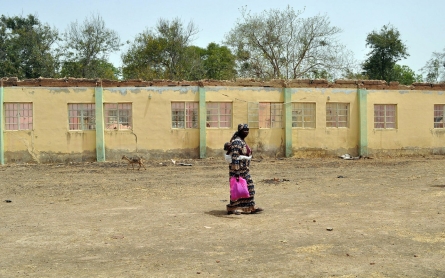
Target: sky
x=421 y=23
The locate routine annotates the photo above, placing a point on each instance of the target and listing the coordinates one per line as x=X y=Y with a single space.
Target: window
x=219 y=114
x=385 y=116
x=118 y=116
x=337 y=114
x=265 y=115
x=18 y=116
x=439 y=112
x=253 y=114
x=81 y=116
x=185 y=115
x=303 y=114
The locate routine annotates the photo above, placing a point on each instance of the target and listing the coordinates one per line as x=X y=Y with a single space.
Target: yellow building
x=63 y=120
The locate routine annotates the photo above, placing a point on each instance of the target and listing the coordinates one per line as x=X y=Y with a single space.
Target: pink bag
x=238 y=189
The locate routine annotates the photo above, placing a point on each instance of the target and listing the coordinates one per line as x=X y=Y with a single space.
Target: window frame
x=87 y=118
x=335 y=121
x=189 y=119
x=24 y=116
x=121 y=111
x=439 y=121
x=263 y=115
x=385 y=115
x=306 y=109
x=222 y=116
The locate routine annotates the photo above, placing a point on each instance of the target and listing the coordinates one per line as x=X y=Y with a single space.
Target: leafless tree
x=282 y=44
x=434 y=69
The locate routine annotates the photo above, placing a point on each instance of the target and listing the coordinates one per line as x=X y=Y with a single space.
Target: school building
x=74 y=120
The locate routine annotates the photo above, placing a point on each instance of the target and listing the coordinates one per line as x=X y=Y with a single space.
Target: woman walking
x=240 y=168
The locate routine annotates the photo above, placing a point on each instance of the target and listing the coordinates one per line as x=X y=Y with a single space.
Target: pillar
x=100 y=135
x=202 y=122
x=2 y=124
x=363 y=122
x=287 y=96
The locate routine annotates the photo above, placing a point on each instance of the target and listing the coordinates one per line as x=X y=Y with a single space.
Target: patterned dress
x=239 y=147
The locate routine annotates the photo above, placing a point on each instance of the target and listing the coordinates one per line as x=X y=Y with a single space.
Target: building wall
x=325 y=140
x=152 y=136
x=267 y=141
x=50 y=140
x=415 y=133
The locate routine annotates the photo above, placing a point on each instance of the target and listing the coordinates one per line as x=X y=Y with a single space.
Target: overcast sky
x=420 y=23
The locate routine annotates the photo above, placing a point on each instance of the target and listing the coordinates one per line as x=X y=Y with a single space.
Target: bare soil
x=322 y=218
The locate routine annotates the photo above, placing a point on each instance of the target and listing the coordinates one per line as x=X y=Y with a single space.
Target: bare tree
x=88 y=46
x=434 y=69
x=281 y=44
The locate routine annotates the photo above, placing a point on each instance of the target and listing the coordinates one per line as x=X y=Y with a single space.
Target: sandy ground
x=322 y=218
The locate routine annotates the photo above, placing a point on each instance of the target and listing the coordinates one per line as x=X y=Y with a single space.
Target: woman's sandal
x=256 y=210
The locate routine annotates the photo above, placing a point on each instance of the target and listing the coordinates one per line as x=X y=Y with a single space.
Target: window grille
x=81 y=116
x=253 y=114
x=118 y=116
x=385 y=116
x=439 y=112
x=303 y=114
x=185 y=114
x=265 y=115
x=219 y=114
x=18 y=116
x=337 y=115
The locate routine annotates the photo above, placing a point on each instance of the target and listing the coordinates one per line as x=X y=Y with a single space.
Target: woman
x=240 y=168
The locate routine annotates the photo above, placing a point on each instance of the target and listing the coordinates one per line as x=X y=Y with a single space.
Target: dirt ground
x=322 y=218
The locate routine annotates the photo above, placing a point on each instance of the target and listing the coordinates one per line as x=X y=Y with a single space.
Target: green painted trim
x=202 y=122
x=2 y=124
x=363 y=122
x=100 y=135
x=287 y=96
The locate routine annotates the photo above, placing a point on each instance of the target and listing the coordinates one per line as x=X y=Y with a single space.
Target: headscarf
x=241 y=127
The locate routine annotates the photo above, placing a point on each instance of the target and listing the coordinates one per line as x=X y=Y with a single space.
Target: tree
x=386 y=49
x=145 y=61
x=219 y=62
x=176 y=38
x=162 y=52
x=404 y=75
x=26 y=48
x=192 y=67
x=107 y=70
x=354 y=75
x=281 y=44
x=434 y=69
x=87 y=46
x=144 y=58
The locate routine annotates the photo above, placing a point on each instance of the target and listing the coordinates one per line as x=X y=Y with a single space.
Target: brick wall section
x=278 y=83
